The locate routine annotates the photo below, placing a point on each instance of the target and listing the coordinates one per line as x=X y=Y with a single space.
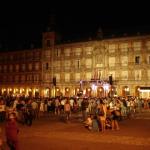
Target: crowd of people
x=97 y=114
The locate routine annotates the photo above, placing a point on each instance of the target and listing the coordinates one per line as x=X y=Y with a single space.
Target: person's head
x=101 y=101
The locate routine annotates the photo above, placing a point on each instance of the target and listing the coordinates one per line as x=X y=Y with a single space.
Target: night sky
x=22 y=24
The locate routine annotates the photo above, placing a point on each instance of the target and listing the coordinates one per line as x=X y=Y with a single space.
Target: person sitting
x=88 y=122
x=108 y=123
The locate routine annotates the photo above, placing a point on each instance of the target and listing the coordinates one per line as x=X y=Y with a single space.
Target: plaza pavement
x=52 y=133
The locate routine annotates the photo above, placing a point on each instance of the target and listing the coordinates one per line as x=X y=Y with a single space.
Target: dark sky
x=23 y=23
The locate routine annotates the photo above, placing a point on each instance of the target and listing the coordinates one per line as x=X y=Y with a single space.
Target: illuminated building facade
x=20 y=72
x=73 y=65
x=126 y=60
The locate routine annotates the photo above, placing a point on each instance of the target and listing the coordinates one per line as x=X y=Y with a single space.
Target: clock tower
x=50 y=35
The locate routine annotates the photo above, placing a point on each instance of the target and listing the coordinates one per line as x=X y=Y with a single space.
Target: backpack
x=100 y=111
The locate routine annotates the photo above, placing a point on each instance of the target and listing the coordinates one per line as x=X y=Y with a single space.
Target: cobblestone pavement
x=53 y=133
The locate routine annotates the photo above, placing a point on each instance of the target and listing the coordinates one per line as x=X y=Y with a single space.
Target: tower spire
x=51 y=23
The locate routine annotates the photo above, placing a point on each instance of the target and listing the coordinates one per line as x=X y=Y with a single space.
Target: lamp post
x=94 y=88
x=80 y=92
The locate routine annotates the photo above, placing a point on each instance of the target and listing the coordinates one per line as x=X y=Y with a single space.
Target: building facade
x=108 y=67
x=20 y=72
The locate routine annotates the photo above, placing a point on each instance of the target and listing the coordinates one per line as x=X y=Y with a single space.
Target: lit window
x=112 y=61
x=37 y=66
x=78 y=51
x=88 y=50
x=17 y=67
x=124 y=75
x=88 y=63
x=30 y=67
x=67 y=77
x=67 y=64
x=23 y=67
x=67 y=52
x=124 y=47
x=77 y=76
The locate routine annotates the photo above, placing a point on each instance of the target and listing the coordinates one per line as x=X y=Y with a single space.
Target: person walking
x=28 y=114
x=84 y=106
x=12 y=130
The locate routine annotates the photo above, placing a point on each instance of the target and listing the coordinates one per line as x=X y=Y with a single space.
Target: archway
x=100 y=92
x=47 y=92
x=30 y=92
x=88 y=91
x=67 y=91
x=57 y=92
x=37 y=94
x=112 y=91
x=78 y=91
x=125 y=91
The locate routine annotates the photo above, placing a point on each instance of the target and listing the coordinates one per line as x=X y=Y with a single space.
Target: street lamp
x=94 y=88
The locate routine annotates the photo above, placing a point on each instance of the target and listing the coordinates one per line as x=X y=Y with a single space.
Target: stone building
x=20 y=72
x=102 y=67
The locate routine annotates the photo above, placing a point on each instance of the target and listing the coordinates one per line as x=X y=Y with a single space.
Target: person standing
x=12 y=130
x=115 y=116
x=34 y=105
x=102 y=110
x=28 y=114
x=67 y=109
x=84 y=106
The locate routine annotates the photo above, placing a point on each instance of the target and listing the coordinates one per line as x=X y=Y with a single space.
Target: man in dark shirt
x=84 y=106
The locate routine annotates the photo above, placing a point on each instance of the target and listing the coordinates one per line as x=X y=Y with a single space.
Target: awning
x=144 y=89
